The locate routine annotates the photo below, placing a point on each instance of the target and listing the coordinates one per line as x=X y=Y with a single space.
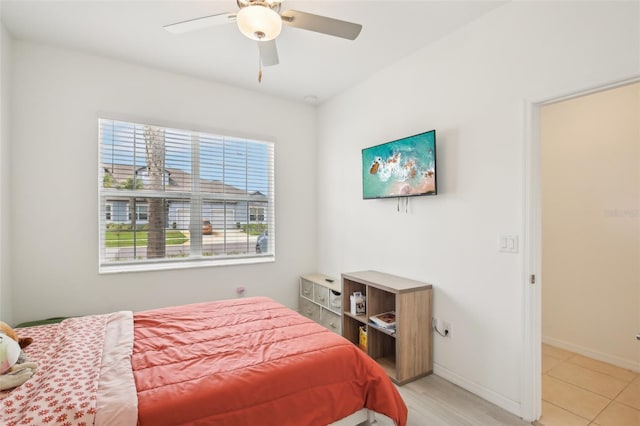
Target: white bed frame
x=359 y=418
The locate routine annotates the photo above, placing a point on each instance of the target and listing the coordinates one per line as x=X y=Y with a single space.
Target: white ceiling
x=310 y=63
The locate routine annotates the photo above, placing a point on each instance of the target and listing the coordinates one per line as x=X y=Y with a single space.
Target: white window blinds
x=179 y=198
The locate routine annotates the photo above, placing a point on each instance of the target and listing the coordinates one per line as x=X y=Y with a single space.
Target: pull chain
x=260 y=35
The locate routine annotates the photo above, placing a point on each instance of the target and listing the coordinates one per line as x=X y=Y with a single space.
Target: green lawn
x=125 y=238
x=254 y=228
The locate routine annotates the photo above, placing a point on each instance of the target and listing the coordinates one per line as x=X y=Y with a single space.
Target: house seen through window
x=172 y=197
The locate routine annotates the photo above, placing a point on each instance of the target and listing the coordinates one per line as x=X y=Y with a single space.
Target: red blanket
x=251 y=361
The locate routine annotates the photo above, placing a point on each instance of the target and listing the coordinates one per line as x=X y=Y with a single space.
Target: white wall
x=591 y=225
x=6 y=311
x=471 y=87
x=57 y=97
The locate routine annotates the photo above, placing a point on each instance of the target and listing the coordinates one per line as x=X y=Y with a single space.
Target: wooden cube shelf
x=406 y=352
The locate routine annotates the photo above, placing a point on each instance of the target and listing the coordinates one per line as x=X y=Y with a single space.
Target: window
x=199 y=198
x=256 y=214
x=141 y=212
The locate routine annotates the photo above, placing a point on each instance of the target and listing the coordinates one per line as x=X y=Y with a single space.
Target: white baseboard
x=511 y=406
x=611 y=359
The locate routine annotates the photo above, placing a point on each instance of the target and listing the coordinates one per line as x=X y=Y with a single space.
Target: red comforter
x=251 y=361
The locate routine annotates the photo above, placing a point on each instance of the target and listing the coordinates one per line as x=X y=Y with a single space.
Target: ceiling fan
x=261 y=20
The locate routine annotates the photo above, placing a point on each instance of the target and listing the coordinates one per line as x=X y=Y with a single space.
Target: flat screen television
x=400 y=168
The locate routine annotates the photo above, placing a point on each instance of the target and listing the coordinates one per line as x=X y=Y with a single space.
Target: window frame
x=142 y=210
x=258 y=214
x=195 y=202
x=139 y=213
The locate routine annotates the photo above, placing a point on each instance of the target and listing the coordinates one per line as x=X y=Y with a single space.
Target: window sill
x=118 y=268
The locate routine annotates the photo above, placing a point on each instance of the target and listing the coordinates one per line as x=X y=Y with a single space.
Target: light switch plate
x=508 y=244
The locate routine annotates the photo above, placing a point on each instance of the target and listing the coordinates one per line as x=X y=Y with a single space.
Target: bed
x=245 y=361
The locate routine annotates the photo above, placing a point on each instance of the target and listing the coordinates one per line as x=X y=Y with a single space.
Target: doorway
x=533 y=258
x=590 y=193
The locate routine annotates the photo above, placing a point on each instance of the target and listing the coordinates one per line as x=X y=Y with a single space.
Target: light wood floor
x=433 y=401
x=576 y=391
x=580 y=391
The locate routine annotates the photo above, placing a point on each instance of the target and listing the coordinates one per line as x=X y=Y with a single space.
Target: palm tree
x=154 y=144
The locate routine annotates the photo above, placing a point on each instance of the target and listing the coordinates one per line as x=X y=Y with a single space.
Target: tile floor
x=580 y=391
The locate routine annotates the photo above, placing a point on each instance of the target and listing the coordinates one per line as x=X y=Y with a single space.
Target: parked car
x=207 y=228
x=262 y=243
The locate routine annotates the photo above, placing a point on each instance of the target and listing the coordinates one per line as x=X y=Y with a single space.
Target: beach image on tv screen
x=400 y=168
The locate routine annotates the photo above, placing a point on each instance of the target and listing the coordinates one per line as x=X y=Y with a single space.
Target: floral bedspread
x=63 y=391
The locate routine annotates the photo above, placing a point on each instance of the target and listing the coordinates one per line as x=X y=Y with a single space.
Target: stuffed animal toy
x=15 y=368
x=22 y=341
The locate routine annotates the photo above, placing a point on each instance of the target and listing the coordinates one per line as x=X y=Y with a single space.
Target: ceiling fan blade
x=321 y=24
x=200 y=23
x=268 y=53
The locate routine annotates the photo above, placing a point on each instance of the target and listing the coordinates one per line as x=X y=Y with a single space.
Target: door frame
x=531 y=378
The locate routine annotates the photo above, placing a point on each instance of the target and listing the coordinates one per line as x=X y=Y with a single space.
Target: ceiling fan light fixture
x=259 y=22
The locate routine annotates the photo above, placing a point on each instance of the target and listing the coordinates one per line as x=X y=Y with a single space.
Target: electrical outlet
x=442 y=327
x=446 y=328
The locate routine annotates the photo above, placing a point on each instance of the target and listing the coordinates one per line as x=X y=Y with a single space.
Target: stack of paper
x=385 y=320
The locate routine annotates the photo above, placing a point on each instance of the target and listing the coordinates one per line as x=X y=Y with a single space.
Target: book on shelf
x=385 y=320
x=362 y=337
x=358 y=301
